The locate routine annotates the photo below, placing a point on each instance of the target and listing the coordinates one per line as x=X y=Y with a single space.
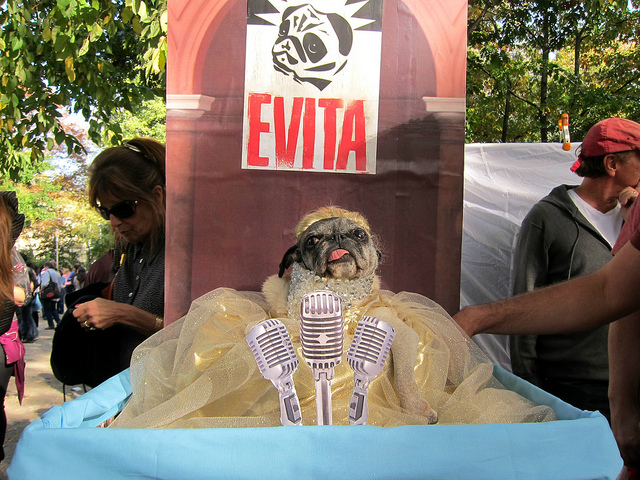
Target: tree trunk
x=576 y=55
x=544 y=81
x=505 y=118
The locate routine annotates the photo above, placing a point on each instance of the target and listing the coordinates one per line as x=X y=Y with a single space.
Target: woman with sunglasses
x=127 y=187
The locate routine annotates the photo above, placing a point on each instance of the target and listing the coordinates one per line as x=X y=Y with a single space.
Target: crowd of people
x=67 y=281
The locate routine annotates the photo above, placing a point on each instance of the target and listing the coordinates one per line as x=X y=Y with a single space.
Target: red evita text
x=339 y=125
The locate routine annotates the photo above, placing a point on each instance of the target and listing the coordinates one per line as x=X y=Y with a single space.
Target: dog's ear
x=292 y=255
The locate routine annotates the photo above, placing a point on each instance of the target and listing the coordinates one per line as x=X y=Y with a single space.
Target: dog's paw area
x=432 y=416
x=419 y=406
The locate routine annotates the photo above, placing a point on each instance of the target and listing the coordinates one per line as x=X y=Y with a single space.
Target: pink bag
x=14 y=351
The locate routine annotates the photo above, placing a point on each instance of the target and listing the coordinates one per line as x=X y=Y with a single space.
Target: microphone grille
x=271 y=346
x=322 y=304
x=371 y=345
x=321 y=329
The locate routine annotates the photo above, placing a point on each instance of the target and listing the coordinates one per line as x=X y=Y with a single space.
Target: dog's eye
x=284 y=28
x=314 y=47
x=311 y=241
x=360 y=234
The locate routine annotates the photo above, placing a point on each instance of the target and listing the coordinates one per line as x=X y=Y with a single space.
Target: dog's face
x=334 y=248
x=311 y=46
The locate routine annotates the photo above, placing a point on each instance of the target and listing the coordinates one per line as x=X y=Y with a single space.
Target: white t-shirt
x=608 y=224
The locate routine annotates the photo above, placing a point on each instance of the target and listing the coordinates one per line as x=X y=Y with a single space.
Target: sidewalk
x=42 y=390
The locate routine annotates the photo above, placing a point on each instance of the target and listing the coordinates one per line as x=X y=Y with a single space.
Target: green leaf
x=159 y=62
x=127 y=15
x=142 y=11
x=16 y=43
x=96 y=32
x=85 y=47
x=137 y=26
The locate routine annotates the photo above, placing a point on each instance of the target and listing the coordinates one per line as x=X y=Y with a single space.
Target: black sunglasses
x=120 y=210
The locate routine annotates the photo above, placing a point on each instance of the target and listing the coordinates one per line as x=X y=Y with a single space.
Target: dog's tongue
x=337 y=254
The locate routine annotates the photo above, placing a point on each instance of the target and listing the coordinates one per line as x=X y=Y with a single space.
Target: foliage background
x=101 y=61
x=529 y=62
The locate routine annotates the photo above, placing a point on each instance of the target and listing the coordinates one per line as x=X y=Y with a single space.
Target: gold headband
x=330 y=212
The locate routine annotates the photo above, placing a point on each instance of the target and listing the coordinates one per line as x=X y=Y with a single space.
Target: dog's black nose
x=339 y=237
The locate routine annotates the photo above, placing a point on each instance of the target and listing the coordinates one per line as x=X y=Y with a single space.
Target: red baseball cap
x=612 y=135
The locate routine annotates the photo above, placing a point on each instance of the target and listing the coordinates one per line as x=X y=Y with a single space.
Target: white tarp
x=502 y=181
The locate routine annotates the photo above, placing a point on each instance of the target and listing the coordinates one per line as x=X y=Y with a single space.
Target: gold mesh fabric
x=200 y=372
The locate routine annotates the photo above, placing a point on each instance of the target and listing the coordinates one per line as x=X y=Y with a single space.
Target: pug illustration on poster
x=312 y=81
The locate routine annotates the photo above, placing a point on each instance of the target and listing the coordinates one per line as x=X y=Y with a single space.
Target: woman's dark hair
x=131 y=172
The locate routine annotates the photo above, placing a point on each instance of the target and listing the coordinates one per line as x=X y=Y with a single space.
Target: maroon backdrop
x=230 y=227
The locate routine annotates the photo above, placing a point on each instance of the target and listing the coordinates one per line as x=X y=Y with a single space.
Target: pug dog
x=335 y=248
x=342 y=247
x=312 y=46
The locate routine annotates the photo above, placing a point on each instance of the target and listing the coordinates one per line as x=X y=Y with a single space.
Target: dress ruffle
x=200 y=372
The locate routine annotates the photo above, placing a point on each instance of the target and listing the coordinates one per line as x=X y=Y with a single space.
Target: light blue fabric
x=579 y=446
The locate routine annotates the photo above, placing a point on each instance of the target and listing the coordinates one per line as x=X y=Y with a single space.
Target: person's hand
x=625 y=424
x=626 y=198
x=96 y=314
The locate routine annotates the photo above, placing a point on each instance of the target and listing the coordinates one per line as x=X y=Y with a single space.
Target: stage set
x=274 y=109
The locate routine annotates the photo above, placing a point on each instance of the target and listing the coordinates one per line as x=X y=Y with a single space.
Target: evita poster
x=312 y=82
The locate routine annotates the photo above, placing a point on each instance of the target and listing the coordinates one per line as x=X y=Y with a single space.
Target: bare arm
x=576 y=305
x=624 y=385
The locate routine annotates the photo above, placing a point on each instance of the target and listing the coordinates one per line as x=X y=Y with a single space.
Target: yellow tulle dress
x=199 y=371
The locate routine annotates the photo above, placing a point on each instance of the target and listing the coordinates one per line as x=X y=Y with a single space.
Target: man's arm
x=624 y=385
x=576 y=305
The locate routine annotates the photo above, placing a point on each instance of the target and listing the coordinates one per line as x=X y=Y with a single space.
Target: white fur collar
x=285 y=294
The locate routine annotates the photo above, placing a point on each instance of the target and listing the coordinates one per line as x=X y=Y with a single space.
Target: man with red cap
x=567 y=234
x=591 y=300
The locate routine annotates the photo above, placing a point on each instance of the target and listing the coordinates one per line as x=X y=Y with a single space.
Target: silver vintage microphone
x=271 y=346
x=322 y=337
x=366 y=356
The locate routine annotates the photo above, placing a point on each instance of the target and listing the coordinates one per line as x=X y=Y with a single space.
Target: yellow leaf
x=100 y=67
x=164 y=21
x=68 y=66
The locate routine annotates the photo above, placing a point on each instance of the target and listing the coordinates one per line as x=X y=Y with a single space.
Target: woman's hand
x=97 y=314
x=101 y=313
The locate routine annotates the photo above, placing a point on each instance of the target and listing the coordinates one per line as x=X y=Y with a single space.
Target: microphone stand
x=324 y=413
x=322 y=335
